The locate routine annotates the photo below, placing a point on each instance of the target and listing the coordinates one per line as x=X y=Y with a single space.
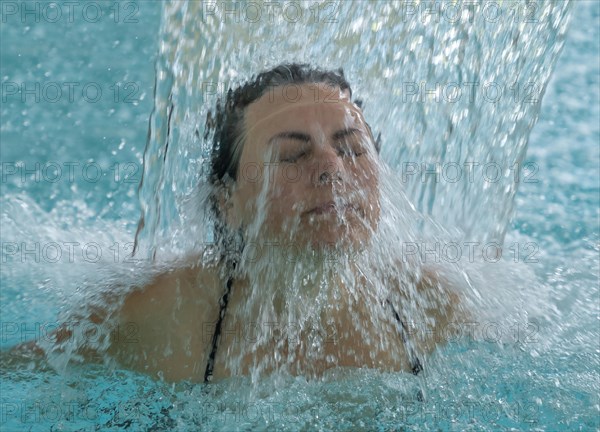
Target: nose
x=329 y=167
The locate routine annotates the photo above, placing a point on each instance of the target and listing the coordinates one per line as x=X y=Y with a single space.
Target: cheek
x=286 y=197
x=284 y=193
x=243 y=200
x=364 y=177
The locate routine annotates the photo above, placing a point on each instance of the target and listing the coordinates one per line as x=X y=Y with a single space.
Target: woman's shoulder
x=190 y=279
x=168 y=314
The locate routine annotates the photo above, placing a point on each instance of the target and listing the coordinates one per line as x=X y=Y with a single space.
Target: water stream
x=455 y=93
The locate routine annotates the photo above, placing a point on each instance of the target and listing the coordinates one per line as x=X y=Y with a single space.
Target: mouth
x=331 y=207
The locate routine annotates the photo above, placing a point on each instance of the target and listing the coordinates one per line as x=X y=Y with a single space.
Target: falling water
x=454 y=91
x=430 y=86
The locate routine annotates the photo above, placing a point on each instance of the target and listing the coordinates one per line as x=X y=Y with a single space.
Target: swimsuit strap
x=415 y=364
x=215 y=340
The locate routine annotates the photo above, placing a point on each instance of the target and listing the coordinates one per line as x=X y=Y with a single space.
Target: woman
x=294 y=167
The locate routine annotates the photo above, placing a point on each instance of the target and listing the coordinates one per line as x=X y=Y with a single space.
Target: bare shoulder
x=445 y=301
x=161 y=325
x=435 y=286
x=438 y=304
x=179 y=286
x=156 y=328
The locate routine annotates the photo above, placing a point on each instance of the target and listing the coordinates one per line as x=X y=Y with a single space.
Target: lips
x=331 y=207
x=328 y=207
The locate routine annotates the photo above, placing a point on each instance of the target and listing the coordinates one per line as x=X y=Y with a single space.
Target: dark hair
x=228 y=120
x=227 y=123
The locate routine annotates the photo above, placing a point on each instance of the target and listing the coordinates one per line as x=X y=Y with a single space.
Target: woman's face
x=309 y=163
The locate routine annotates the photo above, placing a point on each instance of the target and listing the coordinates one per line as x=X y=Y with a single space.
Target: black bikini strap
x=415 y=364
x=215 y=340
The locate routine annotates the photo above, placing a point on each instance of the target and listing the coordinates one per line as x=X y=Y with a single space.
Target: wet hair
x=228 y=121
x=226 y=125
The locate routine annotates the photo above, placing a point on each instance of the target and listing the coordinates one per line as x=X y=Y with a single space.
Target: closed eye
x=358 y=152
x=346 y=152
x=351 y=147
x=294 y=158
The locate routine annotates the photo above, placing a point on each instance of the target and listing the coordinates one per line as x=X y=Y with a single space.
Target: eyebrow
x=301 y=136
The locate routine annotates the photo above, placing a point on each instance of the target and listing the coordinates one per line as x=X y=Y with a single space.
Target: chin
x=324 y=232
x=336 y=237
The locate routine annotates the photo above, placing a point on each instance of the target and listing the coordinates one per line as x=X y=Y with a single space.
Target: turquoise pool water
x=81 y=196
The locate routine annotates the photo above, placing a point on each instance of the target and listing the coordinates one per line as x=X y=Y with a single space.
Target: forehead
x=307 y=107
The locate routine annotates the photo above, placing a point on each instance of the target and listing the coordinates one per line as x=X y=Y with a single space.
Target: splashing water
x=454 y=94
x=454 y=98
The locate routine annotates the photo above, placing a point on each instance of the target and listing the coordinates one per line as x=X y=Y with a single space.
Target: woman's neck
x=283 y=289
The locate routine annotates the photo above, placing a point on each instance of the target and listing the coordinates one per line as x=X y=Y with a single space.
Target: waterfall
x=453 y=87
